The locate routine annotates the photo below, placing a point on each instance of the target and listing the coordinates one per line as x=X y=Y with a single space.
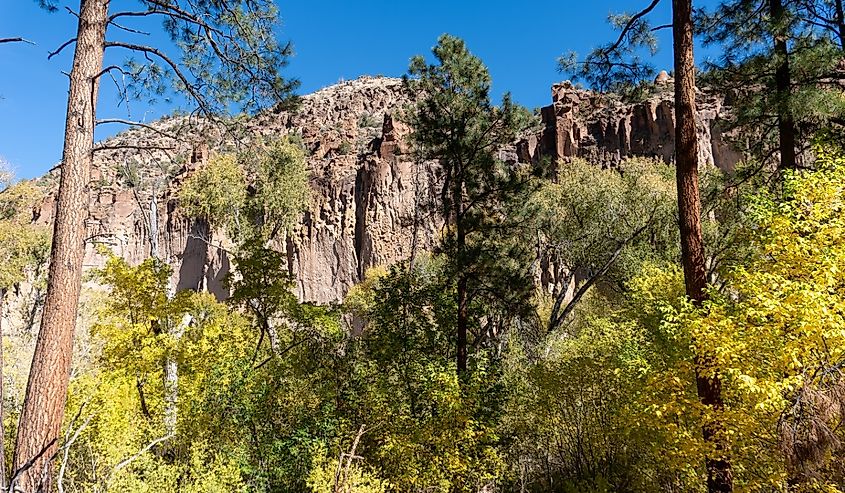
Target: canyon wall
x=366 y=186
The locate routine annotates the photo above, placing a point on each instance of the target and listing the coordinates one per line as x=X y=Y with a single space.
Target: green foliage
x=779 y=344
x=242 y=426
x=611 y=403
x=455 y=124
x=746 y=72
x=426 y=430
x=24 y=247
x=280 y=180
x=216 y=192
x=774 y=338
x=254 y=195
x=571 y=410
x=333 y=475
x=619 y=65
x=227 y=55
x=589 y=213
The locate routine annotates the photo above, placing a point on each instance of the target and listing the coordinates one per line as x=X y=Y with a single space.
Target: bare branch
x=136 y=124
x=210 y=243
x=639 y=15
x=28 y=464
x=129 y=146
x=68 y=443
x=109 y=69
x=147 y=448
x=60 y=48
x=557 y=319
x=15 y=40
x=128 y=29
x=144 y=13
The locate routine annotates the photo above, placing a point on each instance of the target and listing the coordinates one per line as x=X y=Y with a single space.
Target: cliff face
x=605 y=130
x=366 y=187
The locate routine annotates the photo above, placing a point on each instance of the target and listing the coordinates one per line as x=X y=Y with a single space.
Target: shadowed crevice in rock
x=194 y=258
x=215 y=275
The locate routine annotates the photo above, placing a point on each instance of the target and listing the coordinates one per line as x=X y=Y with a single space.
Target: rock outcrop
x=366 y=186
x=605 y=130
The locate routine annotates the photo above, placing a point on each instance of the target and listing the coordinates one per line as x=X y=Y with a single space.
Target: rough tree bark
x=719 y=474
x=46 y=393
x=462 y=285
x=783 y=83
x=2 y=398
x=840 y=23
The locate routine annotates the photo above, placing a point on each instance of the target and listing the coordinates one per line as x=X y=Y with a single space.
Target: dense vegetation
x=548 y=342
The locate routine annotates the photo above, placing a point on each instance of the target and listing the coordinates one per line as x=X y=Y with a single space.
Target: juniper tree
x=226 y=55
x=455 y=124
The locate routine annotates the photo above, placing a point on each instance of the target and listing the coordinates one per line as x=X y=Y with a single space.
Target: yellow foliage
x=776 y=338
x=329 y=475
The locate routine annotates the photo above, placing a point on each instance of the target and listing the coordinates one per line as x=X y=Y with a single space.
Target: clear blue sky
x=333 y=40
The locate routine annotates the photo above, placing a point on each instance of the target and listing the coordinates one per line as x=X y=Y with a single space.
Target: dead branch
x=28 y=464
x=66 y=451
x=60 y=48
x=147 y=448
x=136 y=124
x=15 y=40
x=129 y=146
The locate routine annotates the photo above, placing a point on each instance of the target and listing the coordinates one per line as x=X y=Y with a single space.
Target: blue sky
x=333 y=40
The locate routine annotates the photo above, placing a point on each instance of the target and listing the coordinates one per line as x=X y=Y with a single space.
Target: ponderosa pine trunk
x=46 y=392
x=783 y=88
x=840 y=23
x=463 y=309
x=719 y=475
x=2 y=398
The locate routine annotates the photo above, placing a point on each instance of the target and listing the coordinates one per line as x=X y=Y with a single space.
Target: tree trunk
x=46 y=392
x=840 y=23
x=719 y=475
x=783 y=89
x=2 y=399
x=463 y=319
x=463 y=309
x=171 y=366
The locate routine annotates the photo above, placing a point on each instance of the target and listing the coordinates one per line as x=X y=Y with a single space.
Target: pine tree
x=778 y=69
x=226 y=52
x=455 y=124
x=616 y=65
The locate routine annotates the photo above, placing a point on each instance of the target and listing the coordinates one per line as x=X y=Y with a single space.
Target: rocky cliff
x=604 y=129
x=366 y=187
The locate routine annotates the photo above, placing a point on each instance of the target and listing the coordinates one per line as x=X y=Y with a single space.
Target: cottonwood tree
x=220 y=54
x=455 y=124
x=600 y=226
x=617 y=64
x=255 y=196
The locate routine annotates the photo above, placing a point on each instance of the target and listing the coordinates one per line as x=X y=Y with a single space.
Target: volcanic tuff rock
x=605 y=130
x=366 y=186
